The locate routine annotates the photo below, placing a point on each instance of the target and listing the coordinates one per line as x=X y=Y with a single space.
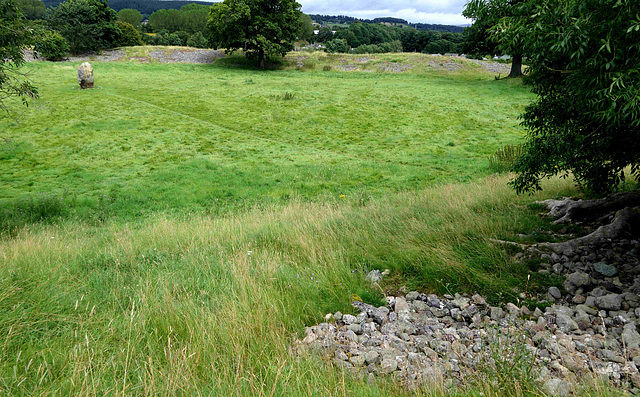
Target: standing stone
x=85 y=75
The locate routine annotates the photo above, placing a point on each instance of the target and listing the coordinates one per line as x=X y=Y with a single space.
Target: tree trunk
x=516 y=66
x=261 y=59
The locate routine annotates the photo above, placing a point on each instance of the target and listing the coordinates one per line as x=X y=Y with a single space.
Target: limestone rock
x=609 y=302
x=85 y=75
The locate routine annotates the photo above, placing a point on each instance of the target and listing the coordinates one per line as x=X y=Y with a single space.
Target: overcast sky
x=446 y=12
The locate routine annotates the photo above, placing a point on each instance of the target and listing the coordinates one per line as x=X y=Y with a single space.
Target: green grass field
x=178 y=137
x=173 y=230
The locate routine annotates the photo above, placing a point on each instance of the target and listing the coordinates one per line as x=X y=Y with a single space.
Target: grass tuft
x=504 y=158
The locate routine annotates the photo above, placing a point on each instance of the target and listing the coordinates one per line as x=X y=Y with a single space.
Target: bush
x=391 y=46
x=437 y=47
x=197 y=40
x=130 y=35
x=184 y=37
x=52 y=46
x=173 y=39
x=337 y=45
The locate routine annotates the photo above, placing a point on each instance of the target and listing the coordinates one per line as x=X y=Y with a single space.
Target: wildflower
x=343 y=196
x=249 y=253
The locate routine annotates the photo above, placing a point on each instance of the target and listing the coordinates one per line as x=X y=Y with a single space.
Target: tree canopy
x=584 y=65
x=481 y=37
x=86 y=24
x=261 y=28
x=14 y=36
x=131 y=16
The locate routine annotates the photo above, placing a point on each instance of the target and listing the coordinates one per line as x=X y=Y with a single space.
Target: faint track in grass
x=265 y=139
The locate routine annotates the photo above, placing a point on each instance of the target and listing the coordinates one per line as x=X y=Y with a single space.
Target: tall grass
x=210 y=305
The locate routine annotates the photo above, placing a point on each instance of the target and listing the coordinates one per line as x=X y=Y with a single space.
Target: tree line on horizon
x=332 y=20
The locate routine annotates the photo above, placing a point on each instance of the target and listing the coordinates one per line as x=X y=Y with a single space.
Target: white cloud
x=448 y=12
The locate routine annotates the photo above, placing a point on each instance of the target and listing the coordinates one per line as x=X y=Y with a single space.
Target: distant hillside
x=146 y=7
x=346 y=20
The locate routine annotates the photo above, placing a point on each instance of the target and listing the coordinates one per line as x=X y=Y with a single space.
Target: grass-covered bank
x=208 y=305
x=215 y=137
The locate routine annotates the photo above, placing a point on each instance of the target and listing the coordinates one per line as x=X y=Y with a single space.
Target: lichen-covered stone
x=85 y=75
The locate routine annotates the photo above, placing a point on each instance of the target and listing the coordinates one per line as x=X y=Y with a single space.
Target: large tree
x=261 y=28
x=15 y=35
x=86 y=24
x=584 y=66
x=482 y=37
x=129 y=15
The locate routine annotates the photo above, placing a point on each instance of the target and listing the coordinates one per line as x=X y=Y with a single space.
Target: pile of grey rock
x=589 y=329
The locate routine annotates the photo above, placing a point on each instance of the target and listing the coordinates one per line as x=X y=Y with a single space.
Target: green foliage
x=305 y=32
x=32 y=9
x=130 y=16
x=382 y=48
x=130 y=35
x=325 y=34
x=88 y=25
x=197 y=40
x=485 y=14
x=483 y=37
x=52 y=46
x=261 y=28
x=190 y=18
x=337 y=45
x=583 y=65
x=15 y=35
x=438 y=47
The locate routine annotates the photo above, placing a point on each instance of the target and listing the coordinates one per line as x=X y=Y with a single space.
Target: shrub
x=173 y=39
x=52 y=46
x=437 y=47
x=337 y=45
x=184 y=37
x=197 y=40
x=130 y=35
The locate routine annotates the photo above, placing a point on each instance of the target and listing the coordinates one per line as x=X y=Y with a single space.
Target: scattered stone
x=557 y=387
x=374 y=276
x=605 y=270
x=609 y=302
x=555 y=293
x=590 y=329
x=388 y=365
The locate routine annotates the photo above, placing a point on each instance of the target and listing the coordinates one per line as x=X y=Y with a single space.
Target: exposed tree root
x=513 y=243
x=568 y=210
x=625 y=222
x=617 y=217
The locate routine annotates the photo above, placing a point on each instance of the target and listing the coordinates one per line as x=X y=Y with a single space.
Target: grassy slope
x=185 y=137
x=201 y=304
x=209 y=305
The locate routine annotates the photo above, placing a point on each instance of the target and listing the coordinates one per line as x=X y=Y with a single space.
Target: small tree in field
x=261 y=28
x=584 y=65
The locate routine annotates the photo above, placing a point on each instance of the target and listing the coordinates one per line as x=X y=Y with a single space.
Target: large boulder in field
x=85 y=75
